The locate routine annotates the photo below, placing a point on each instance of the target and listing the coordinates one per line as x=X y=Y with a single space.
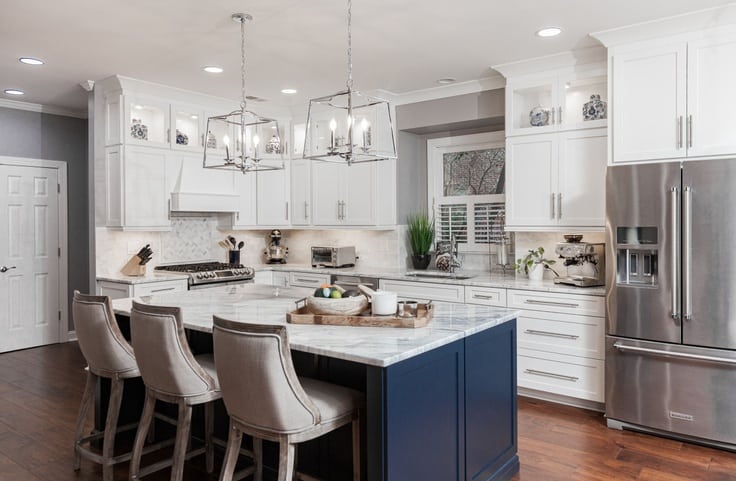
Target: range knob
x=199 y=275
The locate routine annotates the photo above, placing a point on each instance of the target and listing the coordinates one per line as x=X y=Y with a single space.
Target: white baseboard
x=71 y=336
x=559 y=399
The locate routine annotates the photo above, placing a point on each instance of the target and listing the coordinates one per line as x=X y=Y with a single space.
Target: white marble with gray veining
x=150 y=276
x=368 y=345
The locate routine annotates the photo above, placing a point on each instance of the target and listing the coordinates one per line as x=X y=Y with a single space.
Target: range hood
x=201 y=190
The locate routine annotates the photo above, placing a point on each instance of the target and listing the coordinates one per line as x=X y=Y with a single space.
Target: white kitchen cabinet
x=280 y=279
x=358 y=195
x=308 y=279
x=562 y=92
x=556 y=180
x=560 y=343
x=485 y=296
x=188 y=124
x=119 y=290
x=301 y=192
x=672 y=97
x=246 y=216
x=272 y=197
x=137 y=193
x=424 y=291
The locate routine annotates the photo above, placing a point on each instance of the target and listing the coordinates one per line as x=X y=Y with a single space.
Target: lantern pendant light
x=349 y=126
x=238 y=140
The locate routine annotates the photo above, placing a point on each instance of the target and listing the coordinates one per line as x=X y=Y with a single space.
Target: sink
x=438 y=275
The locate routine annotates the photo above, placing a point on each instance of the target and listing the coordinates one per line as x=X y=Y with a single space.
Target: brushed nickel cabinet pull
x=552 y=207
x=559 y=205
x=689 y=131
x=551 y=334
x=551 y=374
x=679 y=132
x=550 y=303
x=480 y=296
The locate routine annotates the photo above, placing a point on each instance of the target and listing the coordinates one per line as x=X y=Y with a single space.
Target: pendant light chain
x=350 y=45
x=242 y=63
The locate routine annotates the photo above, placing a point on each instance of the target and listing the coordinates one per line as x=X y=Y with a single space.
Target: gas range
x=211 y=274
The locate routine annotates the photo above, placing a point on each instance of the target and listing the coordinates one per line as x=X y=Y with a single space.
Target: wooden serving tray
x=303 y=316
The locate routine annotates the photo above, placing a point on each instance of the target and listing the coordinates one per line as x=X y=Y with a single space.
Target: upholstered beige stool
x=171 y=374
x=108 y=355
x=265 y=398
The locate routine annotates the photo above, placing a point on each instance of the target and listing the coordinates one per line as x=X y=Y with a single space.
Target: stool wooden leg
x=140 y=435
x=286 y=460
x=209 y=427
x=258 y=459
x=234 y=439
x=356 y=449
x=89 y=390
x=183 y=427
x=111 y=427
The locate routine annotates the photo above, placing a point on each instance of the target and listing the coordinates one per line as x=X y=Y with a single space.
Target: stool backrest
x=105 y=349
x=259 y=385
x=165 y=360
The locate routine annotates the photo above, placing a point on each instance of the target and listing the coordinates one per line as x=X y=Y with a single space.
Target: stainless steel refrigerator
x=671 y=299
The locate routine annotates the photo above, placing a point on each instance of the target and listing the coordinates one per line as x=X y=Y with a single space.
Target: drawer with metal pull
x=307 y=279
x=153 y=288
x=562 y=333
x=556 y=302
x=566 y=375
x=486 y=296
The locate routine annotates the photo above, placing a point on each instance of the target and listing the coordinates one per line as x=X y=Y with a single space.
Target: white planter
x=536 y=273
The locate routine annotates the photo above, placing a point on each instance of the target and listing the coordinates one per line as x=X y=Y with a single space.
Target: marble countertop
x=151 y=276
x=479 y=278
x=367 y=345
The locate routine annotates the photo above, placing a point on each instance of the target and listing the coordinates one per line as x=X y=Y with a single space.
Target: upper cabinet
x=673 y=97
x=561 y=100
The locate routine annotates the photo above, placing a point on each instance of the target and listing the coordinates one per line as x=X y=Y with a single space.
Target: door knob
x=6 y=269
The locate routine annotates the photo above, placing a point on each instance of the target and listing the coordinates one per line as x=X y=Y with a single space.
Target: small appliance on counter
x=333 y=256
x=585 y=262
x=276 y=253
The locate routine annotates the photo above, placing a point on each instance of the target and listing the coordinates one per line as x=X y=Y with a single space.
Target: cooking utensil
x=232 y=241
x=224 y=244
x=140 y=252
x=383 y=303
x=241 y=244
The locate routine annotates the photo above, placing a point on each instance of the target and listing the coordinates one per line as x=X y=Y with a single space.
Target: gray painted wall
x=446 y=117
x=55 y=137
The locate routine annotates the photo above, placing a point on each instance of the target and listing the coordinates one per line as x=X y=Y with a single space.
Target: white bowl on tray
x=344 y=306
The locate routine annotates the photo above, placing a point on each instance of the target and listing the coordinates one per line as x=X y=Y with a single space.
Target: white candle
x=364 y=126
x=226 y=141
x=333 y=126
x=256 y=140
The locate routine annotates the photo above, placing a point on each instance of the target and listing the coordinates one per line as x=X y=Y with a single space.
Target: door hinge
x=58 y=188
x=59 y=251
x=59 y=315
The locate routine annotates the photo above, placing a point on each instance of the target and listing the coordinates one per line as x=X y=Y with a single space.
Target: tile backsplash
x=196 y=238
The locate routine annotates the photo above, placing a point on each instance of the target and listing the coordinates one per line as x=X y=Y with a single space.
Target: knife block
x=133 y=267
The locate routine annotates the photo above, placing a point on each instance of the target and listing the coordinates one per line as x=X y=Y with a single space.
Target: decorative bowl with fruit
x=334 y=300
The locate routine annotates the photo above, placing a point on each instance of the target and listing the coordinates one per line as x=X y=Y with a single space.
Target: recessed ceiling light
x=194 y=117
x=14 y=92
x=30 y=61
x=213 y=69
x=288 y=91
x=446 y=80
x=138 y=107
x=549 y=32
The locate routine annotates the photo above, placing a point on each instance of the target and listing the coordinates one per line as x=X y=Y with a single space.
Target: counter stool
x=108 y=355
x=171 y=374
x=265 y=398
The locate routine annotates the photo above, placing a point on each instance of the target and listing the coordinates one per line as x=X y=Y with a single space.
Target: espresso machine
x=585 y=262
x=276 y=253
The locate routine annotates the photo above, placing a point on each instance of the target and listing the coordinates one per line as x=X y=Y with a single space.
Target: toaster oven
x=333 y=256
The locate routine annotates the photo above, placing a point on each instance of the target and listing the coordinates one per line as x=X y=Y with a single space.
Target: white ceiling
x=398 y=45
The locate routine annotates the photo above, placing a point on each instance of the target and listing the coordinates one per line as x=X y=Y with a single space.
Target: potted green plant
x=421 y=236
x=533 y=264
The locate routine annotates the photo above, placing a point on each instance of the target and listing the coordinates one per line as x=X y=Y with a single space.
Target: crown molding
x=44 y=109
x=495 y=81
x=570 y=58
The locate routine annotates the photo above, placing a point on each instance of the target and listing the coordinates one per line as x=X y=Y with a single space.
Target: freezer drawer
x=680 y=389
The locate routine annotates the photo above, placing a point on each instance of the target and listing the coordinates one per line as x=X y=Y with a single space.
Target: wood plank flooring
x=40 y=391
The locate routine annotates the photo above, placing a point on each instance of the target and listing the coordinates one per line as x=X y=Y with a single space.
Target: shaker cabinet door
x=326 y=191
x=531 y=178
x=582 y=178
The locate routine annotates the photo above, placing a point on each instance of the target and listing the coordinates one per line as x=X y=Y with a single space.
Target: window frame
x=436 y=148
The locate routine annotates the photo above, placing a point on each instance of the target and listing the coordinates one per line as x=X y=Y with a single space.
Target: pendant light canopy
x=239 y=140
x=349 y=126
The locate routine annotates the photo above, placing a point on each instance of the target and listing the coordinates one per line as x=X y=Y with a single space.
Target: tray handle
x=301 y=303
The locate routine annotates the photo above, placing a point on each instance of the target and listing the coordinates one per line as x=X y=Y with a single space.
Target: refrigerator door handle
x=680 y=355
x=687 y=260
x=675 y=208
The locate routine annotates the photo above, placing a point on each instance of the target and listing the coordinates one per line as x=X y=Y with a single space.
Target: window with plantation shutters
x=466 y=189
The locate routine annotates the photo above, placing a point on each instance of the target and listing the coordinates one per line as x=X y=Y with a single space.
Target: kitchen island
x=441 y=400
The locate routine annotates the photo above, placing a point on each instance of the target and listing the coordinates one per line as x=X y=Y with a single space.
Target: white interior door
x=29 y=246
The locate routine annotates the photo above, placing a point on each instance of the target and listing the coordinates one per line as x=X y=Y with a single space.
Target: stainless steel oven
x=203 y=275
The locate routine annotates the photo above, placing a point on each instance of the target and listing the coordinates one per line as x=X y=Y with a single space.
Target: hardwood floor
x=40 y=391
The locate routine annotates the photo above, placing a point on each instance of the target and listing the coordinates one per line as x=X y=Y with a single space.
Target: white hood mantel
x=202 y=190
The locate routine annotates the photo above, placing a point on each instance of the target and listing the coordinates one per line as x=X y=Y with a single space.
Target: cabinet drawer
x=113 y=290
x=566 y=375
x=562 y=333
x=308 y=279
x=422 y=291
x=556 y=302
x=151 y=288
x=487 y=296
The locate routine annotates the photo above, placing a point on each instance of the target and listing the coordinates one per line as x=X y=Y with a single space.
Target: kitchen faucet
x=454 y=254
